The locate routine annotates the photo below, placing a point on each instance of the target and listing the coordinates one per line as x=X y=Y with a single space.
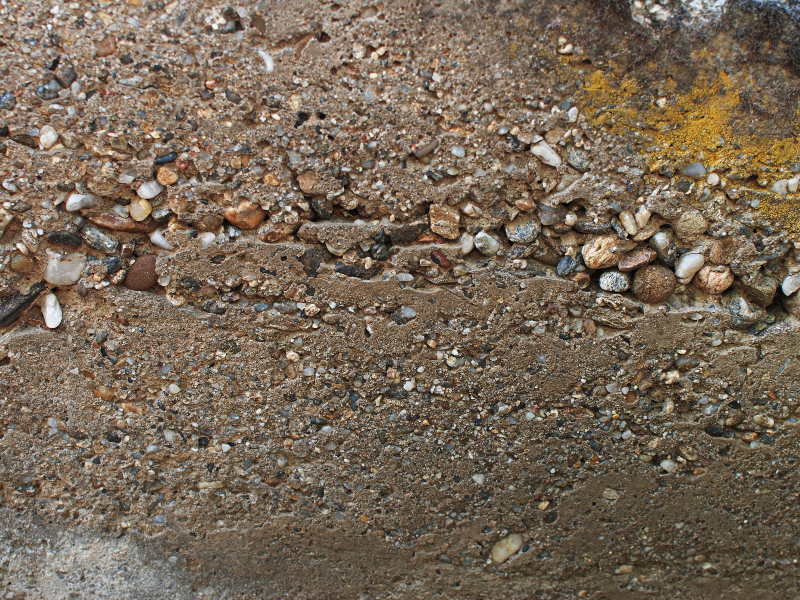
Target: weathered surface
x=381 y=301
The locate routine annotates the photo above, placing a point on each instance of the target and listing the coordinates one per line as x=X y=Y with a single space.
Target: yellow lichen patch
x=704 y=122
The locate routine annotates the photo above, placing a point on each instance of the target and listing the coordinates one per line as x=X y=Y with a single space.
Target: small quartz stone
x=713 y=279
x=157 y=237
x=688 y=265
x=653 y=284
x=546 y=154
x=791 y=283
x=486 y=244
x=694 y=170
x=142 y=274
x=140 y=209
x=629 y=222
x=51 y=310
x=642 y=215
x=506 y=548
x=615 y=281
x=64 y=269
x=81 y=201
x=48 y=137
x=149 y=190
x=467 y=243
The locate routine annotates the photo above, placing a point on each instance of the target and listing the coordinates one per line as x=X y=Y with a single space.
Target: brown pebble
x=22 y=264
x=247 y=215
x=637 y=259
x=653 y=284
x=713 y=279
x=166 y=176
x=106 y=46
x=605 y=251
x=440 y=258
x=142 y=275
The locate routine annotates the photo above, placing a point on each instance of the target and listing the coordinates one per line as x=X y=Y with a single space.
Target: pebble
x=142 y=274
x=506 y=548
x=99 y=239
x=150 y=189
x=444 y=221
x=636 y=259
x=64 y=238
x=688 y=265
x=642 y=215
x=605 y=251
x=690 y=224
x=140 y=209
x=157 y=237
x=467 y=244
x=48 y=137
x=713 y=179
x=14 y=305
x=791 y=283
x=51 y=311
x=167 y=176
x=478 y=478
x=668 y=465
x=713 y=279
x=64 y=269
x=81 y=201
x=694 y=170
x=615 y=281
x=486 y=244
x=629 y=222
x=546 y=154
x=8 y=100
x=247 y=215
x=653 y=284
x=457 y=151
x=524 y=229
x=425 y=149
x=664 y=245
x=107 y=46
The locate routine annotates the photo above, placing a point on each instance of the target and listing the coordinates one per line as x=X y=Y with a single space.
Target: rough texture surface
x=333 y=322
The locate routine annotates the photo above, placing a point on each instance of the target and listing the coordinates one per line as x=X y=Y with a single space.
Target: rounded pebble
x=142 y=274
x=615 y=281
x=653 y=284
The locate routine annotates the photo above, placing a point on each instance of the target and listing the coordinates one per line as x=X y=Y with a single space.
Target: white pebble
x=467 y=244
x=51 y=310
x=207 y=238
x=478 y=478
x=127 y=176
x=791 y=185
x=150 y=189
x=791 y=284
x=642 y=215
x=572 y=114
x=80 y=201
x=408 y=312
x=546 y=154
x=64 y=269
x=628 y=222
x=173 y=389
x=157 y=237
x=688 y=265
x=668 y=465
x=486 y=244
x=713 y=179
x=48 y=137
x=140 y=209
x=457 y=151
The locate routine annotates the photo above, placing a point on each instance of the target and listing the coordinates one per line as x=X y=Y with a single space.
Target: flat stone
x=113 y=221
x=760 y=289
x=410 y=231
x=98 y=239
x=636 y=259
x=15 y=304
x=64 y=238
